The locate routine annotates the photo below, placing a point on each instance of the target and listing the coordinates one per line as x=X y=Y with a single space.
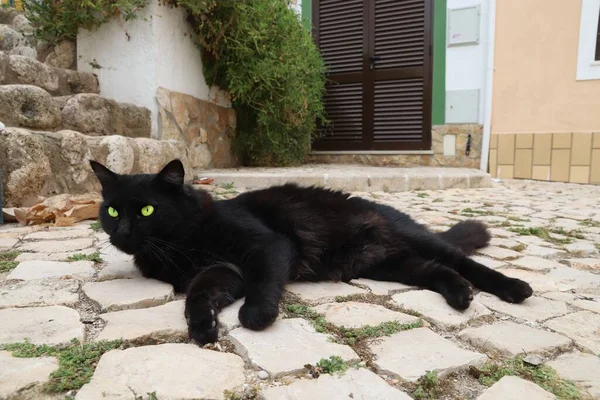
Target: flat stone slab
x=61 y=256
x=488 y=262
x=499 y=253
x=117 y=265
x=22 y=373
x=49 y=246
x=536 y=263
x=352 y=314
x=171 y=371
x=582 y=246
x=585 y=301
x=8 y=243
x=514 y=388
x=540 y=283
x=161 y=323
x=541 y=251
x=33 y=270
x=48 y=292
x=532 y=309
x=322 y=292
x=56 y=234
x=587 y=264
x=228 y=317
x=54 y=325
x=382 y=288
x=353 y=177
x=576 y=279
x=287 y=346
x=582 y=368
x=433 y=307
x=410 y=354
x=509 y=339
x=583 y=327
x=354 y=384
x=126 y=294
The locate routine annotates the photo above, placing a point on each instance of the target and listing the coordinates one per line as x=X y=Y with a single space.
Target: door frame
x=371 y=76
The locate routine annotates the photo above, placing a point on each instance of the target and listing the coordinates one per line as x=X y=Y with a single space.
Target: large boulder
x=28 y=106
x=47 y=163
x=90 y=113
x=9 y=38
x=63 y=55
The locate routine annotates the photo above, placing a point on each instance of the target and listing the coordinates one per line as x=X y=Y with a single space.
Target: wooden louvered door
x=378 y=54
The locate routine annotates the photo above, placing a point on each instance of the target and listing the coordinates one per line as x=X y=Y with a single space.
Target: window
x=588 y=56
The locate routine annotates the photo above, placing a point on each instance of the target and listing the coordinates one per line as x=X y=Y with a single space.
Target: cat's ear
x=172 y=173
x=105 y=175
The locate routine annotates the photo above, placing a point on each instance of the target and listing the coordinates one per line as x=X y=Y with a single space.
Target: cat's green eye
x=147 y=211
x=112 y=212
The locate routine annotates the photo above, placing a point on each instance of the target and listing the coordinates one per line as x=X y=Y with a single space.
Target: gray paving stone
x=583 y=327
x=33 y=270
x=499 y=253
x=576 y=279
x=117 y=265
x=587 y=264
x=567 y=224
x=358 y=384
x=532 y=309
x=499 y=232
x=514 y=388
x=533 y=240
x=8 y=243
x=55 y=234
x=434 y=308
x=47 y=292
x=352 y=314
x=582 y=368
x=503 y=242
x=536 y=263
x=125 y=294
x=585 y=301
x=274 y=351
x=382 y=287
x=541 y=251
x=410 y=354
x=489 y=262
x=52 y=256
x=54 y=325
x=49 y=246
x=582 y=246
x=156 y=324
x=323 y=292
x=509 y=339
x=170 y=371
x=17 y=374
x=228 y=317
x=540 y=283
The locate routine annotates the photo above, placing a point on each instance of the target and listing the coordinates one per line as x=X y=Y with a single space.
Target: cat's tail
x=468 y=236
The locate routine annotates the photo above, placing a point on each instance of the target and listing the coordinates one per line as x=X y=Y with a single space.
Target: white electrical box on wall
x=462 y=106
x=463 y=26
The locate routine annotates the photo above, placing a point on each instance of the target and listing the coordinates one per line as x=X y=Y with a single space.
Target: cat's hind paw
x=459 y=294
x=202 y=325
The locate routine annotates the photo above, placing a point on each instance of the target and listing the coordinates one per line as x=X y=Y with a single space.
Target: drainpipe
x=489 y=86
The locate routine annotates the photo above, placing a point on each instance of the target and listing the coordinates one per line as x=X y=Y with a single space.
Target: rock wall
x=47 y=163
x=206 y=129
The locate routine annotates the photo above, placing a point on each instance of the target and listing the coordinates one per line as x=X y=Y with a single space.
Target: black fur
x=254 y=244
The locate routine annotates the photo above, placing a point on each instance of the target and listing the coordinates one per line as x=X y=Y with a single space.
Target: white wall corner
x=587 y=67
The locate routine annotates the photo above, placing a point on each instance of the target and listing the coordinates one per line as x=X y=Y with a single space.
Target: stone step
x=32 y=107
x=37 y=163
x=352 y=177
x=19 y=69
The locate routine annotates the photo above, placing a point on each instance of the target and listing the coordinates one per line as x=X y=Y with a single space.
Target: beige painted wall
x=535 y=86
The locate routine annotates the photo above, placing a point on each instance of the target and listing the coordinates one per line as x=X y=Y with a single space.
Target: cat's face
x=139 y=210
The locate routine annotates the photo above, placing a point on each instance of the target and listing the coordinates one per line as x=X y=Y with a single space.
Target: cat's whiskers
x=158 y=251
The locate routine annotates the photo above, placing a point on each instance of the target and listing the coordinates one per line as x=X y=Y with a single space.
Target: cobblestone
x=46 y=303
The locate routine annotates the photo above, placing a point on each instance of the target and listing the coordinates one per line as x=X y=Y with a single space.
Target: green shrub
x=57 y=20
x=261 y=54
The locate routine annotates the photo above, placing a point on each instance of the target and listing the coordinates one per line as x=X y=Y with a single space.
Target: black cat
x=254 y=244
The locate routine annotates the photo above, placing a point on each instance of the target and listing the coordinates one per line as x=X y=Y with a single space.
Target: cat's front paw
x=202 y=325
x=258 y=316
x=514 y=290
x=459 y=294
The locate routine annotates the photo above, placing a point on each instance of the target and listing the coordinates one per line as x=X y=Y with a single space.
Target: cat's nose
x=124 y=229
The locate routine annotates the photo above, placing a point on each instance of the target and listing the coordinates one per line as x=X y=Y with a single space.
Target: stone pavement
x=545 y=233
